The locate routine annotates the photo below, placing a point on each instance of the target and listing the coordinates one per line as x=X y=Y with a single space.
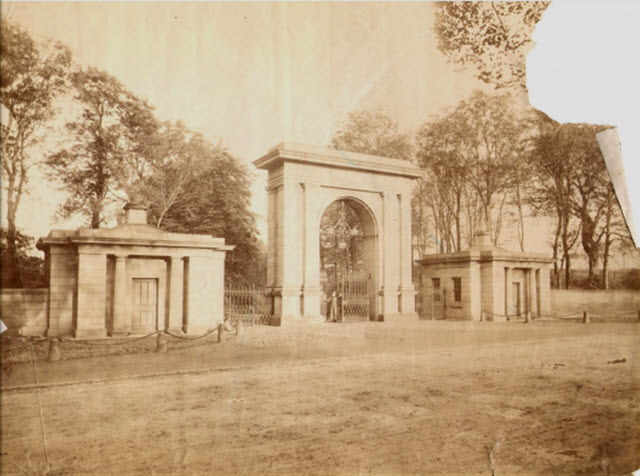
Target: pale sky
x=254 y=74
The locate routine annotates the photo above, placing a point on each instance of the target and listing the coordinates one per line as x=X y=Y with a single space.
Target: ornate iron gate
x=254 y=305
x=420 y=306
x=353 y=297
x=437 y=305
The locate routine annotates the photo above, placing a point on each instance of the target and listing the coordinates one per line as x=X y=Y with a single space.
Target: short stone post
x=482 y=316
x=220 y=333
x=161 y=345
x=240 y=328
x=54 y=350
x=586 y=318
x=527 y=317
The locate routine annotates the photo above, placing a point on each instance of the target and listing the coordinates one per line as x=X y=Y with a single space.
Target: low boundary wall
x=24 y=311
x=614 y=302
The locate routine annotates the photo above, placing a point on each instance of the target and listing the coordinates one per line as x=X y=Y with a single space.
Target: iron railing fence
x=252 y=304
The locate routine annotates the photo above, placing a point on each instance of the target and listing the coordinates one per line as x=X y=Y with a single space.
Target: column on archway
x=289 y=276
x=406 y=288
x=390 y=279
x=272 y=235
x=311 y=252
x=369 y=250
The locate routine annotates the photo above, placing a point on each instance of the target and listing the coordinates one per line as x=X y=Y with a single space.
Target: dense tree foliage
x=216 y=201
x=32 y=75
x=372 y=132
x=470 y=154
x=29 y=270
x=174 y=160
x=570 y=182
x=493 y=37
x=110 y=133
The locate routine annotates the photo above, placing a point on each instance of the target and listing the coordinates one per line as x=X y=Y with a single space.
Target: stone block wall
x=24 y=311
x=204 y=301
x=91 y=295
x=62 y=264
x=545 y=296
x=453 y=310
x=488 y=292
x=607 y=303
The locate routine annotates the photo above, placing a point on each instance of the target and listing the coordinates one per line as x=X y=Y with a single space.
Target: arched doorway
x=348 y=264
x=303 y=181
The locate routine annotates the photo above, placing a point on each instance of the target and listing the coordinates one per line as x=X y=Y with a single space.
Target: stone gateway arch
x=303 y=181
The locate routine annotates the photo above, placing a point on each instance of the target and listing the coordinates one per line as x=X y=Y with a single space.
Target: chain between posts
x=54 y=351
x=573 y=315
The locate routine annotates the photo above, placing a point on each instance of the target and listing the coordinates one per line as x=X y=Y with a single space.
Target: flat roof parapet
x=310 y=154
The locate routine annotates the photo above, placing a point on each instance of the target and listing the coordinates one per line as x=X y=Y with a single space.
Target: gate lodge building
x=485 y=282
x=131 y=279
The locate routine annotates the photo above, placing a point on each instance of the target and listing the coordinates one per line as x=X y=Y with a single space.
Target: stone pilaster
x=91 y=298
x=508 y=287
x=311 y=255
x=532 y=307
x=121 y=312
x=176 y=285
x=62 y=285
x=407 y=291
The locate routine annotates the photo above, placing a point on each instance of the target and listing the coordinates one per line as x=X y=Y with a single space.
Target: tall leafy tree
x=174 y=160
x=372 y=132
x=107 y=138
x=470 y=152
x=493 y=37
x=570 y=182
x=591 y=203
x=616 y=233
x=555 y=166
x=217 y=202
x=32 y=75
x=447 y=178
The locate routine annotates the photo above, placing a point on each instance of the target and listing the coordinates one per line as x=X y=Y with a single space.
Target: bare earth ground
x=430 y=397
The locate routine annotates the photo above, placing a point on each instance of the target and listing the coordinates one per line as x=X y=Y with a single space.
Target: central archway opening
x=348 y=264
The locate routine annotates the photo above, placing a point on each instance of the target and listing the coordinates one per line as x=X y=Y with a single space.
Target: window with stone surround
x=457 y=289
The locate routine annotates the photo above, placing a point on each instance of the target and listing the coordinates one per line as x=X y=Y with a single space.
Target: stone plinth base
x=90 y=333
x=196 y=330
x=296 y=320
x=405 y=317
x=498 y=318
x=55 y=332
x=31 y=331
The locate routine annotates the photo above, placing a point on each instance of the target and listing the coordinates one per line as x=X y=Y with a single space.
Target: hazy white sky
x=254 y=74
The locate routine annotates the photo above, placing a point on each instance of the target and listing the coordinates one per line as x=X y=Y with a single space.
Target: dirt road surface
x=429 y=398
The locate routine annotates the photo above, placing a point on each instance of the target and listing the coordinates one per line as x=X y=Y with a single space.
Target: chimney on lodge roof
x=483 y=237
x=135 y=214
